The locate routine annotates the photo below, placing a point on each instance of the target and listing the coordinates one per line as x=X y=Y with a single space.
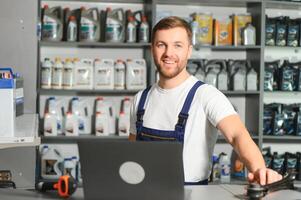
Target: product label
x=103 y=77
x=119 y=78
x=49 y=28
x=46 y=77
x=57 y=77
x=83 y=77
x=68 y=77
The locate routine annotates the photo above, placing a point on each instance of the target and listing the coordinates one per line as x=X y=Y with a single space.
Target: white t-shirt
x=208 y=107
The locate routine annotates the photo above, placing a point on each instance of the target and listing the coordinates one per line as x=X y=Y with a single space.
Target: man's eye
x=178 y=46
x=160 y=45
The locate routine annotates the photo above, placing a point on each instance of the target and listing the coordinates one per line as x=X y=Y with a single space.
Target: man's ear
x=190 y=49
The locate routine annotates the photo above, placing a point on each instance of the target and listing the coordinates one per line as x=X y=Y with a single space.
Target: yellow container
x=205 y=35
x=239 y=22
x=223 y=32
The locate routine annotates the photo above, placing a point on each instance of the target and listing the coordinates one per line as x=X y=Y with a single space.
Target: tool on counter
x=6 y=179
x=256 y=191
x=66 y=186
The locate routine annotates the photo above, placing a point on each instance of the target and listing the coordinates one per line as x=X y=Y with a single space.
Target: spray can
x=119 y=80
x=143 y=33
x=131 y=30
x=46 y=74
x=57 y=74
x=72 y=29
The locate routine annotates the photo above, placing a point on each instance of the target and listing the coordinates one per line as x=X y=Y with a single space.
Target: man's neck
x=169 y=83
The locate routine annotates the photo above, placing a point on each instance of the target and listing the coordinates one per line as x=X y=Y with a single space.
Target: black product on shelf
x=278 y=163
x=67 y=14
x=270 y=31
x=293 y=33
x=286 y=77
x=268 y=119
x=289 y=119
x=271 y=75
x=279 y=119
x=281 y=30
x=298 y=166
x=297 y=120
x=267 y=156
x=290 y=163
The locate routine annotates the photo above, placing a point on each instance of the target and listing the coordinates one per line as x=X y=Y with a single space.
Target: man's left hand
x=264 y=176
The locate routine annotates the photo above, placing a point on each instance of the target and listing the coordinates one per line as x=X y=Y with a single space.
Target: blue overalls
x=149 y=134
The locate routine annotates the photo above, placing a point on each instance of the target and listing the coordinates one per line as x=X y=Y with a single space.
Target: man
x=181 y=108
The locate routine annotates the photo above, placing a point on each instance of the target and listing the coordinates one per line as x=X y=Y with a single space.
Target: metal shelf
x=240 y=93
x=219 y=3
x=93 y=44
x=103 y=1
x=280 y=139
x=86 y=92
x=228 y=48
x=222 y=139
x=73 y=139
x=283 y=5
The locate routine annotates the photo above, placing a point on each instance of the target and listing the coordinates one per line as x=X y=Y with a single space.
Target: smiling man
x=181 y=108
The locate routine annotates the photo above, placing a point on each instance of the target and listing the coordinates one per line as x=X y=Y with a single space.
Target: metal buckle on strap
x=182 y=119
x=140 y=115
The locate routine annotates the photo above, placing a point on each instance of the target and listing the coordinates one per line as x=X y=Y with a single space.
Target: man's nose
x=168 y=51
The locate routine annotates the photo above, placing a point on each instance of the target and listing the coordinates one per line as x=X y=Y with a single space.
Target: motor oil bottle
x=57 y=74
x=46 y=72
x=89 y=25
x=72 y=29
x=119 y=75
x=223 y=32
x=205 y=28
x=50 y=124
x=106 y=112
x=124 y=118
x=238 y=72
x=83 y=76
x=225 y=167
x=131 y=30
x=135 y=74
x=101 y=124
x=239 y=80
x=115 y=25
x=80 y=109
x=68 y=74
x=52 y=25
x=71 y=125
x=222 y=78
x=55 y=108
x=252 y=80
x=212 y=69
x=249 y=35
x=143 y=30
x=104 y=74
x=192 y=67
x=51 y=162
x=239 y=23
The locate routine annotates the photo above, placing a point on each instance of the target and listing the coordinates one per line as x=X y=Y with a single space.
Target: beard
x=168 y=74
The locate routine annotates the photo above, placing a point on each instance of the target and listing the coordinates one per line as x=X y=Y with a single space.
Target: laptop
x=124 y=170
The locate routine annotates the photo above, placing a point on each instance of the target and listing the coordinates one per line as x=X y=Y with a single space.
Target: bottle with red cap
x=131 y=30
x=143 y=34
x=72 y=29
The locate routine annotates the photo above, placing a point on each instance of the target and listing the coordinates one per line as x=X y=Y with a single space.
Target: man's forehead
x=175 y=35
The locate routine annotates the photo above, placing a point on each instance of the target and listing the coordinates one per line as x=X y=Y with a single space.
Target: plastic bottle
x=55 y=109
x=52 y=27
x=215 y=173
x=119 y=80
x=131 y=30
x=124 y=117
x=143 y=33
x=68 y=74
x=69 y=167
x=194 y=28
x=135 y=74
x=50 y=163
x=50 y=126
x=80 y=110
x=46 y=73
x=72 y=29
x=222 y=79
x=249 y=35
x=104 y=74
x=115 y=25
x=101 y=124
x=57 y=74
x=225 y=173
x=89 y=25
x=71 y=127
x=83 y=76
x=252 y=80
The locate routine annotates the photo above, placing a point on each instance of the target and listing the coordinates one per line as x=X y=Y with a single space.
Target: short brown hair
x=172 y=22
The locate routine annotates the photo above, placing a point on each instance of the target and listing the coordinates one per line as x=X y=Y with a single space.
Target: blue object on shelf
x=7 y=83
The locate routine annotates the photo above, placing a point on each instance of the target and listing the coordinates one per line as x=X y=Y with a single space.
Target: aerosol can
x=52 y=25
x=124 y=118
x=115 y=25
x=89 y=25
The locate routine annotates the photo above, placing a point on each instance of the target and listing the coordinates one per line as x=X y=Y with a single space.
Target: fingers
x=251 y=177
x=272 y=176
x=262 y=176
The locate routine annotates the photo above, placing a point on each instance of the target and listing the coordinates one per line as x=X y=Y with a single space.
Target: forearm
x=248 y=151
